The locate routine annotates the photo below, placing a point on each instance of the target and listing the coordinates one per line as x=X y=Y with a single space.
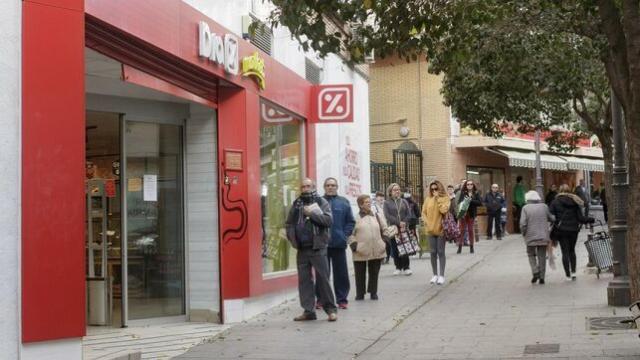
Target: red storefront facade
x=157 y=41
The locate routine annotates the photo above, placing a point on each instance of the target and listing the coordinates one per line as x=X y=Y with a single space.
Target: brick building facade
x=406 y=106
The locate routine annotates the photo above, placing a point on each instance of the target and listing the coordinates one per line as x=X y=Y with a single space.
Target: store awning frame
x=527 y=159
x=583 y=163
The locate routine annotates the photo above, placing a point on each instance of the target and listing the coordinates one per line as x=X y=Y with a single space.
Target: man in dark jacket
x=493 y=202
x=308 y=225
x=341 y=229
x=583 y=194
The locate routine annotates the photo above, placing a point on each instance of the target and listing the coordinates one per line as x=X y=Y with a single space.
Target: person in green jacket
x=518 y=201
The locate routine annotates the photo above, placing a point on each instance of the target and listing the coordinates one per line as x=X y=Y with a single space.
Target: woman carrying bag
x=567 y=209
x=368 y=247
x=398 y=214
x=435 y=207
x=468 y=202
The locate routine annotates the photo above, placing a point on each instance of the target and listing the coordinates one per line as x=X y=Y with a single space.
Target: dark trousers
x=360 y=268
x=306 y=260
x=401 y=262
x=337 y=260
x=516 y=218
x=605 y=210
x=493 y=219
x=568 y=246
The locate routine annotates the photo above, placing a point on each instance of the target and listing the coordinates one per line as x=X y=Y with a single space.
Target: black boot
x=459 y=249
x=471 y=249
x=535 y=278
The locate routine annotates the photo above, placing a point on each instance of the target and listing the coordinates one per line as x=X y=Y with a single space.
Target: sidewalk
x=274 y=334
x=494 y=312
x=488 y=309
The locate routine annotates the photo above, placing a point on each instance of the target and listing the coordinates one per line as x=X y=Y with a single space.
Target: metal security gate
x=382 y=175
x=408 y=168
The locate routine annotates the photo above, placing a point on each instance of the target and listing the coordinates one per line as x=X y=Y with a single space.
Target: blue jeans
x=338 y=263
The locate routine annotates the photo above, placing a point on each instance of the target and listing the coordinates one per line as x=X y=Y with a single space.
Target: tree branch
x=617 y=66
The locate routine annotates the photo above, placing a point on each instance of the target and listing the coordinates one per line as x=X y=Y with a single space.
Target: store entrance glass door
x=153 y=173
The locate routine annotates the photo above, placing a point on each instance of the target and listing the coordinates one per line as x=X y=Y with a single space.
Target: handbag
x=407 y=243
x=555 y=229
x=450 y=229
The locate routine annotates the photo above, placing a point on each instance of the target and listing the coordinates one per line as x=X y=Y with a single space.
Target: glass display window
x=281 y=168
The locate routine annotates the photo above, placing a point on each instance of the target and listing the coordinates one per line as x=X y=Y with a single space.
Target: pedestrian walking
x=378 y=208
x=308 y=230
x=584 y=195
x=567 y=210
x=604 y=203
x=435 y=206
x=470 y=199
x=518 y=202
x=493 y=202
x=534 y=225
x=398 y=213
x=553 y=192
x=341 y=228
x=368 y=247
x=453 y=204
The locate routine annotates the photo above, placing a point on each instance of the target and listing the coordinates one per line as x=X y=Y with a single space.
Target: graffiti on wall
x=351 y=170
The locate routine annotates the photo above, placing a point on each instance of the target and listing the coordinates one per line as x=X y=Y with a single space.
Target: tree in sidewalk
x=505 y=60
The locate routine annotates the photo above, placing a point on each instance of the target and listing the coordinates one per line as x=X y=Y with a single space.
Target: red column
x=53 y=284
x=233 y=197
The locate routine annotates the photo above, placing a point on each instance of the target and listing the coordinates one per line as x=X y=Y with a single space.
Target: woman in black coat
x=466 y=222
x=567 y=209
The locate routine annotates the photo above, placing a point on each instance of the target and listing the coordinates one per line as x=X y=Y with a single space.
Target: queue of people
x=322 y=228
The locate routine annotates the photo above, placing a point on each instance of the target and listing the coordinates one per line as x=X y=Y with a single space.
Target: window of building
x=262 y=37
x=312 y=71
x=281 y=169
x=484 y=177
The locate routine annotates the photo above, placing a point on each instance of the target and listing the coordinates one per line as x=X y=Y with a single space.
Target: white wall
x=10 y=100
x=202 y=214
x=288 y=52
x=334 y=163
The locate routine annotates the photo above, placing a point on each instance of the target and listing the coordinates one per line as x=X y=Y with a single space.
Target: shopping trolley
x=599 y=248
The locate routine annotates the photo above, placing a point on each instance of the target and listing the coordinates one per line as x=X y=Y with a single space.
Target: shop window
x=484 y=177
x=281 y=169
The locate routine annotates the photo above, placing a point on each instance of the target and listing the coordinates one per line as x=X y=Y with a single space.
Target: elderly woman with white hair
x=534 y=225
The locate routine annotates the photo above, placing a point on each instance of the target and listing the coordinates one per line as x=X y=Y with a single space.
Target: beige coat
x=367 y=234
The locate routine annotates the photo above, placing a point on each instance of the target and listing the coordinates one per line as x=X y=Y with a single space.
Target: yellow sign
x=254 y=66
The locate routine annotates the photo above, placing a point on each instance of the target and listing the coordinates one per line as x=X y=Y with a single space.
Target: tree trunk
x=607 y=154
x=633 y=213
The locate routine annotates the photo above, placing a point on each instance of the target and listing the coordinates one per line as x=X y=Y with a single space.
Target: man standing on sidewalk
x=493 y=202
x=518 y=202
x=341 y=229
x=308 y=226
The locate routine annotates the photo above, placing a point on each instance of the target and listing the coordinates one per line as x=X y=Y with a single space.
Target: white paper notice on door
x=150 y=186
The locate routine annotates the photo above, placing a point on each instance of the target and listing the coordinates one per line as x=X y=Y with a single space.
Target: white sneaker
x=434 y=279
x=397 y=272
x=440 y=280
x=568 y=278
x=408 y=272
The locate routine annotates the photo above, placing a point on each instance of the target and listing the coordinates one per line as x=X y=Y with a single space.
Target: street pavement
x=488 y=309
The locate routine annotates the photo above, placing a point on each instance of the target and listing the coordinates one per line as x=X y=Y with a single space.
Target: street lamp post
x=539 y=186
x=618 y=292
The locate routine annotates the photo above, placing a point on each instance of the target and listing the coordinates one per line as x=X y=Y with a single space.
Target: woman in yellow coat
x=435 y=207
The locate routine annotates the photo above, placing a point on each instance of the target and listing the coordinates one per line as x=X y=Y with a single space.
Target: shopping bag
x=407 y=243
x=450 y=229
x=463 y=207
